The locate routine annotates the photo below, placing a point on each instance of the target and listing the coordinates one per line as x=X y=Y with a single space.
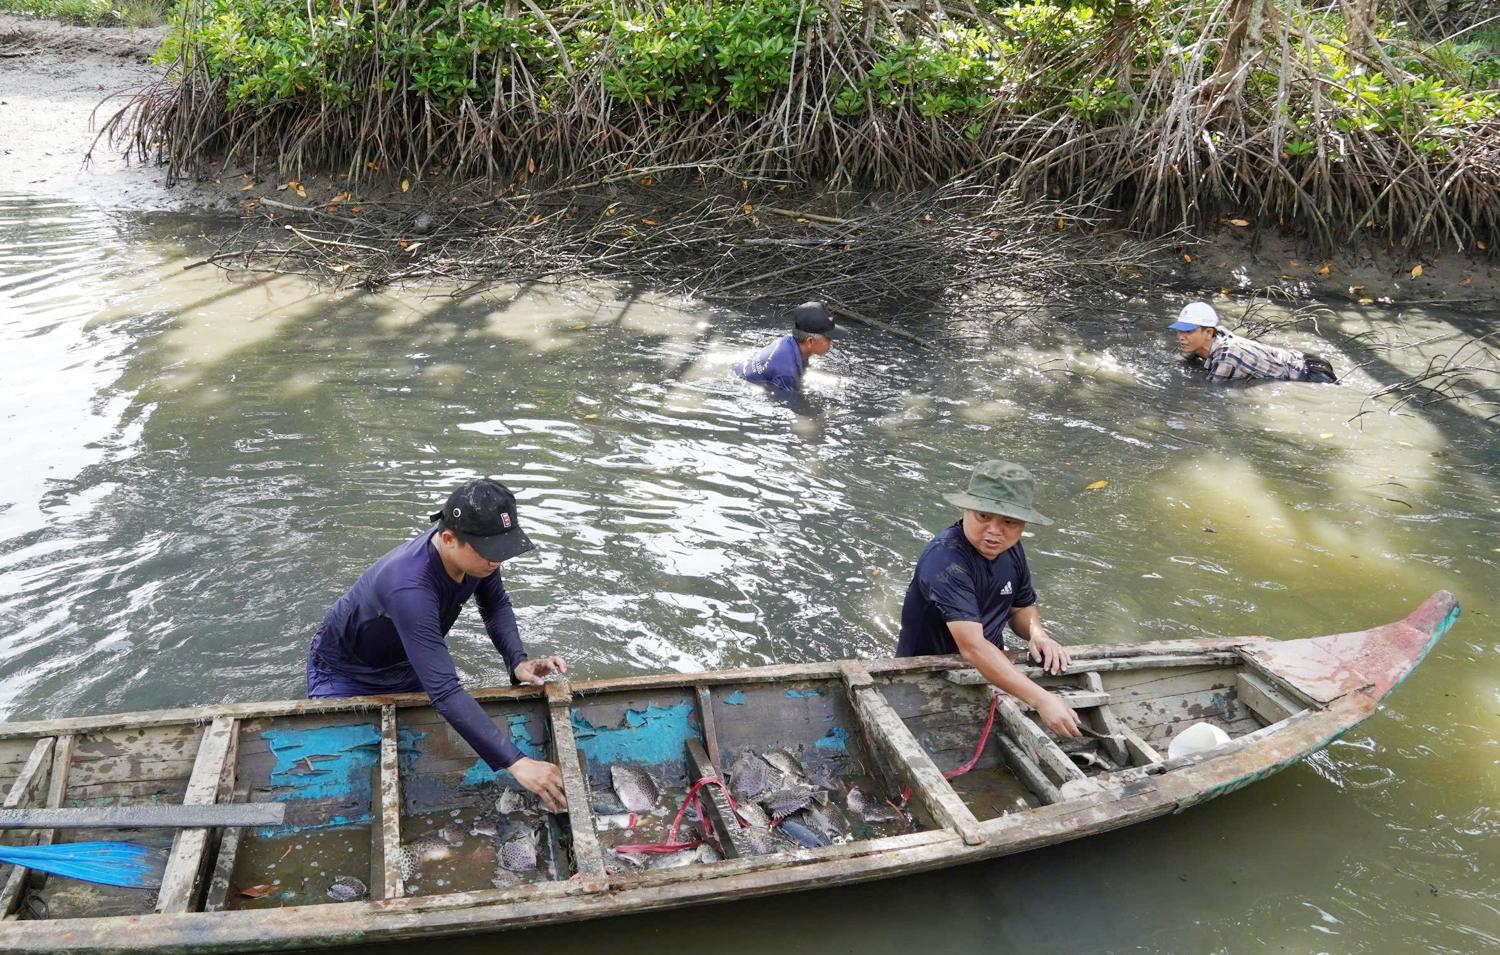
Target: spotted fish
x=870 y=808
x=750 y=776
x=516 y=849
x=828 y=821
x=453 y=834
x=638 y=792
x=420 y=850
x=753 y=814
x=485 y=825
x=759 y=840
x=784 y=802
x=346 y=888
x=505 y=880
x=511 y=800
x=785 y=763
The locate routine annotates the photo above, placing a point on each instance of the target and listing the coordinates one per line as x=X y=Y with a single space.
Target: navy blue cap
x=814 y=319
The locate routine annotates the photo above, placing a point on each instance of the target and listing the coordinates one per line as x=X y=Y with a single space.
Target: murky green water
x=196 y=467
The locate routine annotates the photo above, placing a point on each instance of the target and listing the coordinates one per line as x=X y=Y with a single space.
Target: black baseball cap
x=483 y=514
x=814 y=319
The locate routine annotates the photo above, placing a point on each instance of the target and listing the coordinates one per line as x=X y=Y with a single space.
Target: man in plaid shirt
x=1227 y=355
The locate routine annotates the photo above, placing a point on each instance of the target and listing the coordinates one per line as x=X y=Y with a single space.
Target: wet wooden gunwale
x=1301 y=694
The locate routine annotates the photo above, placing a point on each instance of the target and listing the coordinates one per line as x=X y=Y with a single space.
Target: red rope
x=672 y=845
x=983 y=738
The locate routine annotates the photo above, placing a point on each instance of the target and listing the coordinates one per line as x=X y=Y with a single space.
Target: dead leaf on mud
x=1096 y=485
x=1416 y=271
x=256 y=891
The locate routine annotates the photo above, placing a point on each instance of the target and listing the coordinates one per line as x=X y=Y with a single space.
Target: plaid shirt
x=1234 y=357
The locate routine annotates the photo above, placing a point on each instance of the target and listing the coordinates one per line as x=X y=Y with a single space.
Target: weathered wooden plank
x=377 y=839
x=389 y=796
x=717 y=803
x=1263 y=699
x=1034 y=741
x=1026 y=768
x=1106 y=722
x=1095 y=657
x=181 y=881
x=229 y=849
x=884 y=729
x=23 y=791
x=57 y=792
x=968 y=675
x=209 y=816
x=710 y=734
x=587 y=854
x=1158 y=684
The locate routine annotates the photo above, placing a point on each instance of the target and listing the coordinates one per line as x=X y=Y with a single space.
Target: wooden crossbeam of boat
x=710 y=734
x=22 y=792
x=1104 y=720
x=716 y=803
x=1264 y=698
x=1034 y=741
x=970 y=676
x=57 y=791
x=388 y=794
x=1027 y=769
x=587 y=854
x=884 y=728
x=212 y=768
x=225 y=858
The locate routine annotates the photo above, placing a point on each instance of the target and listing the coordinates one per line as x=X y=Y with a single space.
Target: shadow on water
x=202 y=465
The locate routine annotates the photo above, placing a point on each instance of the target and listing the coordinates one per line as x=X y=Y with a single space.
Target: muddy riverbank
x=58 y=84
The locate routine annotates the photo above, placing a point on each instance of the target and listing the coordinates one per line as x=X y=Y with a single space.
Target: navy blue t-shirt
x=953 y=581
x=778 y=364
x=391 y=625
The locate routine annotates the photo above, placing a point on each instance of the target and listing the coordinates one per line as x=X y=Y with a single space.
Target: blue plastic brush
x=106 y=863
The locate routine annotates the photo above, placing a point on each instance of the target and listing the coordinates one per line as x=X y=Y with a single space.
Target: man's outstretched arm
x=996 y=667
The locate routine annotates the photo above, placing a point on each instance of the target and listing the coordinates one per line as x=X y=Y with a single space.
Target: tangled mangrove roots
x=1332 y=116
x=964 y=248
x=1468 y=375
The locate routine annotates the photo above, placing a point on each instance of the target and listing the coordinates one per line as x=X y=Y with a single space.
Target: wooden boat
x=360 y=777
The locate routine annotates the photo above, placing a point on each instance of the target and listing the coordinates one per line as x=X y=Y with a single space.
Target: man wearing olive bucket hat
x=386 y=635
x=972 y=580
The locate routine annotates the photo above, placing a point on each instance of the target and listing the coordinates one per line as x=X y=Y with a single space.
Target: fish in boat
x=512 y=800
x=750 y=776
x=486 y=824
x=346 y=888
x=786 y=764
x=708 y=854
x=801 y=834
x=829 y=821
x=784 y=802
x=753 y=815
x=503 y=879
x=638 y=792
x=675 y=860
x=1276 y=701
x=826 y=781
x=617 y=820
x=453 y=834
x=870 y=808
x=760 y=840
x=606 y=805
x=515 y=848
x=419 y=850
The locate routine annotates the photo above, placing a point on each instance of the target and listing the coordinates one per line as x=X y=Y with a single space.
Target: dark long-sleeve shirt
x=392 y=623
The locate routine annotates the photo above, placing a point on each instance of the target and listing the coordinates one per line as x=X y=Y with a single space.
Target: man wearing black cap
x=972 y=580
x=781 y=363
x=386 y=634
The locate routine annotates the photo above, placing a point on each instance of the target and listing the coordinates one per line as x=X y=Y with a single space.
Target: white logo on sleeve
x=1006 y=589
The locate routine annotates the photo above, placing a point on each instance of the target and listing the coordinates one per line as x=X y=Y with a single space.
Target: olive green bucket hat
x=999 y=487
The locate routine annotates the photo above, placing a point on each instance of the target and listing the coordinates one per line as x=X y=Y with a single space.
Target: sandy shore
x=58 y=84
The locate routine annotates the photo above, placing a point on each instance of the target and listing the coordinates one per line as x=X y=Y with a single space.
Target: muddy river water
x=195 y=467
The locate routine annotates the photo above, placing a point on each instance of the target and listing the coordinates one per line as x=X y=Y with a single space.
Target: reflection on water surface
x=196 y=467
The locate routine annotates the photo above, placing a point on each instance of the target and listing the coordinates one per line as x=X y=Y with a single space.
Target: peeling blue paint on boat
x=330 y=762
x=834 y=739
x=799 y=694
x=481 y=773
x=737 y=698
x=658 y=734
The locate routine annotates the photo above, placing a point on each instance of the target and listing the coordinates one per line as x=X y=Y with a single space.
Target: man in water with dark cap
x=781 y=363
x=386 y=634
x=972 y=580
